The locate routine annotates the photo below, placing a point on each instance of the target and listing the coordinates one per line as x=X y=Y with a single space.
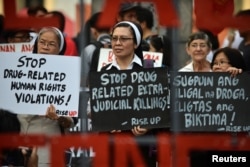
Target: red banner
x=166 y=12
x=213 y=15
x=12 y=21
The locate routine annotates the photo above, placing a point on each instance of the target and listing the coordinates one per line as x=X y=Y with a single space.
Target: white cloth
x=236 y=42
x=136 y=60
x=210 y=56
x=188 y=68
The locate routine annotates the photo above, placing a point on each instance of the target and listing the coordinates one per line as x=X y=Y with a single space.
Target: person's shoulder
x=187 y=68
x=89 y=48
x=97 y=44
x=107 y=67
x=93 y=46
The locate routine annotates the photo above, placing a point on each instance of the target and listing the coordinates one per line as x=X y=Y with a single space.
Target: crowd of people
x=131 y=35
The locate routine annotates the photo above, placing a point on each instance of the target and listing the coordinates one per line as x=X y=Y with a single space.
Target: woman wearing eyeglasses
x=198 y=47
x=126 y=45
x=228 y=60
x=50 y=40
x=224 y=60
x=126 y=40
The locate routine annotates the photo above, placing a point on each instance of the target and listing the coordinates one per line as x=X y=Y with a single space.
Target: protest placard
x=210 y=102
x=31 y=82
x=123 y=99
x=107 y=56
x=26 y=47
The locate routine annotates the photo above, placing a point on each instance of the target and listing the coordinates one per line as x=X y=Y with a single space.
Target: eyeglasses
x=121 y=39
x=46 y=43
x=201 y=46
x=220 y=63
x=24 y=38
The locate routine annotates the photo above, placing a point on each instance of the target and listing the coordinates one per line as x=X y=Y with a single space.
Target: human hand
x=65 y=122
x=51 y=113
x=138 y=131
x=231 y=37
x=30 y=156
x=115 y=131
x=33 y=159
x=234 y=71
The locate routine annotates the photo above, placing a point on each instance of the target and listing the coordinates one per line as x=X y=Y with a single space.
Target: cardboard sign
x=31 y=82
x=123 y=99
x=107 y=56
x=211 y=102
x=26 y=47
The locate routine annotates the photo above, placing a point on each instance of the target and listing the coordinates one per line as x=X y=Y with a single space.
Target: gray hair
x=58 y=33
x=199 y=35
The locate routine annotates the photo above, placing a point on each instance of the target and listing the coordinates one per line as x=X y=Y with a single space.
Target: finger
x=134 y=132
x=24 y=151
x=232 y=74
x=137 y=129
x=113 y=131
x=53 y=108
x=47 y=112
x=140 y=129
x=34 y=151
x=134 y=129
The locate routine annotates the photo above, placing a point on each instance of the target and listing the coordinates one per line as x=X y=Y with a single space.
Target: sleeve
x=86 y=56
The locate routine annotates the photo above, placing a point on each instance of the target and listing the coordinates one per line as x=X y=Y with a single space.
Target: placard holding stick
x=123 y=99
x=31 y=82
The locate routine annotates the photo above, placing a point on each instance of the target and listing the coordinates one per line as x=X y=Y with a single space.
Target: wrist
x=65 y=121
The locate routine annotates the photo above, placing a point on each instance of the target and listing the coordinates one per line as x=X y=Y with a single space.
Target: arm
x=136 y=131
x=86 y=57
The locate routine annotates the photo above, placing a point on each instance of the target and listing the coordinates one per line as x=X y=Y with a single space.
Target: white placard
x=31 y=82
x=106 y=57
x=26 y=47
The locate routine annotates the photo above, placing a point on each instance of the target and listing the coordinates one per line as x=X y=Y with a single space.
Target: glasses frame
x=47 y=43
x=24 y=38
x=201 y=46
x=220 y=63
x=121 y=39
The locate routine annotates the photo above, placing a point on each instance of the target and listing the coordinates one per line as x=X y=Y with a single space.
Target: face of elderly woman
x=122 y=41
x=48 y=43
x=198 y=49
